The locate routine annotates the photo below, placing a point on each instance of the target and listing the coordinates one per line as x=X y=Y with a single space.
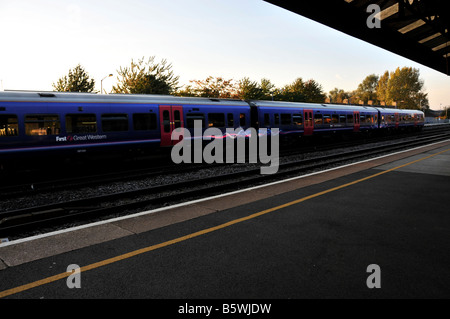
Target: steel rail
x=40 y=186
x=12 y=222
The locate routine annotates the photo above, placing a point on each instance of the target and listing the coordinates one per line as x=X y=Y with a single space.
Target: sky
x=43 y=39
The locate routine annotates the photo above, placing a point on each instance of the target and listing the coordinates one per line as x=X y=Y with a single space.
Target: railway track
x=19 y=222
x=13 y=187
x=90 y=180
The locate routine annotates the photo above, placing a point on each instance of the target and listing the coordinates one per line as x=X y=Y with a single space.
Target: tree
x=424 y=103
x=313 y=92
x=146 y=77
x=367 y=89
x=250 y=90
x=267 y=88
x=76 y=81
x=214 y=87
x=382 y=87
x=338 y=95
x=291 y=92
x=300 y=91
x=187 y=91
x=405 y=88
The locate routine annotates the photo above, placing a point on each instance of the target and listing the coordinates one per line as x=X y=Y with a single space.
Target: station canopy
x=415 y=29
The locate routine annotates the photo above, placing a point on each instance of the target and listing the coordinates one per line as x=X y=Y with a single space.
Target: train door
x=309 y=125
x=396 y=120
x=170 y=118
x=357 y=123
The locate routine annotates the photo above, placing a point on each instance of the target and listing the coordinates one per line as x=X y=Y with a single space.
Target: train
x=53 y=124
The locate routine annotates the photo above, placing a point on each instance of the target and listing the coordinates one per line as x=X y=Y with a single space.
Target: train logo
x=74 y=138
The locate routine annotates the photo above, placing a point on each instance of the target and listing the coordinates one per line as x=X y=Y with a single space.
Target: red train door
x=396 y=120
x=357 y=123
x=309 y=125
x=170 y=118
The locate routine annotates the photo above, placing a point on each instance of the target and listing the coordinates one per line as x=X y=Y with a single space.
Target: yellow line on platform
x=199 y=233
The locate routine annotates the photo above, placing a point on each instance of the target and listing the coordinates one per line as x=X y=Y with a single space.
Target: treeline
x=402 y=87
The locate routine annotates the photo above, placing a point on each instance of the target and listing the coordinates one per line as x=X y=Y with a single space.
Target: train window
x=216 y=120
x=230 y=118
x=176 y=119
x=362 y=118
x=42 y=124
x=114 y=122
x=266 y=119
x=277 y=119
x=9 y=125
x=342 y=119
x=318 y=119
x=335 y=119
x=327 y=119
x=242 y=121
x=297 y=119
x=144 y=121
x=309 y=120
x=166 y=121
x=350 y=118
x=191 y=117
x=81 y=123
x=285 y=119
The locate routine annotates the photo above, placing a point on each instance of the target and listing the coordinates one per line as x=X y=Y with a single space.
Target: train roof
x=403 y=111
x=70 y=97
x=334 y=107
x=315 y=106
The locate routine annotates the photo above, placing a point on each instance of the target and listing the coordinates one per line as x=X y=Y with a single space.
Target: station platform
x=315 y=236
